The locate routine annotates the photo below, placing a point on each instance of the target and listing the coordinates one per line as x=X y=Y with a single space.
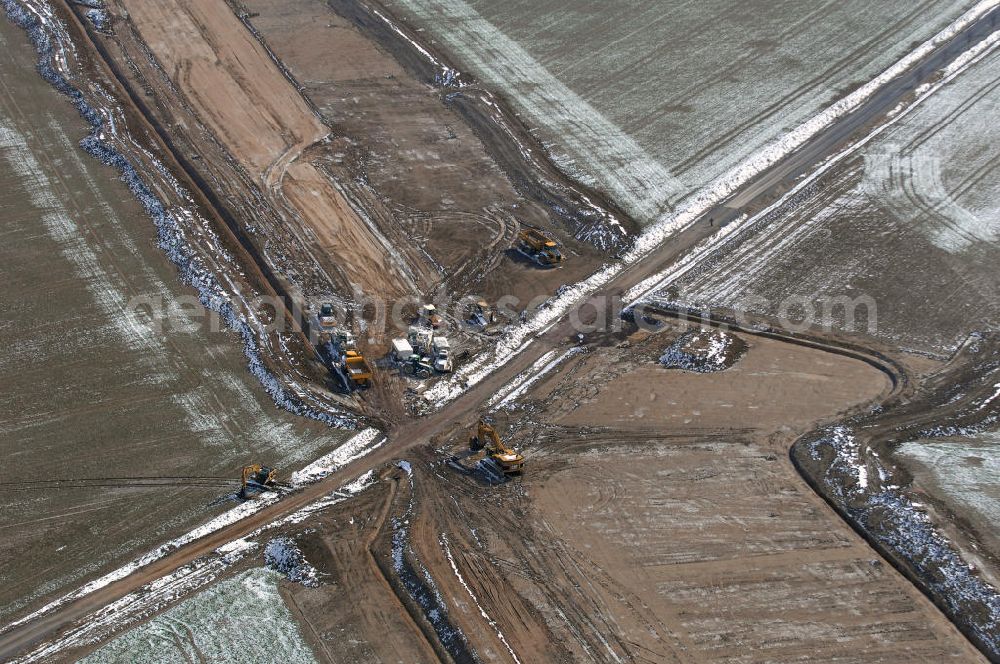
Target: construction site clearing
x=614 y=512
x=670 y=485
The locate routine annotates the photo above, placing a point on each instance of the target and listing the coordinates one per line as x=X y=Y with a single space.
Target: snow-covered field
x=906 y=229
x=652 y=101
x=965 y=470
x=243 y=619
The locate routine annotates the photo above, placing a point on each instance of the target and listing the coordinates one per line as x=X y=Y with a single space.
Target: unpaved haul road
x=461 y=412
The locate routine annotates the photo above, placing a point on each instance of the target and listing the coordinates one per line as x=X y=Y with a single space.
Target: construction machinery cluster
x=425 y=351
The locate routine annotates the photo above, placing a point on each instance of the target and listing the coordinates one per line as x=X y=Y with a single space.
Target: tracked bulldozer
x=486 y=438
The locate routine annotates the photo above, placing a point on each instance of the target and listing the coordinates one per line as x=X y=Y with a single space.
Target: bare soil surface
x=344 y=617
x=233 y=86
x=755 y=393
x=694 y=541
x=905 y=230
x=939 y=543
x=335 y=184
x=424 y=168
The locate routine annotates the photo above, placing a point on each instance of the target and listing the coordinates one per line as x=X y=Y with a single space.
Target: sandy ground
x=754 y=394
x=338 y=625
x=694 y=540
x=91 y=388
x=235 y=87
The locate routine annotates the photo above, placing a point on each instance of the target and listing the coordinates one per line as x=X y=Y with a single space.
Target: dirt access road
x=466 y=408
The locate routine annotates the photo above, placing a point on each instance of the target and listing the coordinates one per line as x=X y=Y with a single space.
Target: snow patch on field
x=61 y=227
x=358 y=446
x=703 y=351
x=285 y=557
x=849 y=460
x=238 y=620
x=135 y=607
x=621 y=90
x=964 y=469
x=778 y=231
x=911 y=184
x=987 y=401
x=230 y=517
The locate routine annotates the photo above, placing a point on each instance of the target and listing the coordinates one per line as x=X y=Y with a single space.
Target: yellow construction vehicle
x=486 y=438
x=358 y=369
x=256 y=477
x=539 y=247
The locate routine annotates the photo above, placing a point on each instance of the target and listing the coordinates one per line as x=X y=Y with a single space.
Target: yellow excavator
x=486 y=438
x=256 y=478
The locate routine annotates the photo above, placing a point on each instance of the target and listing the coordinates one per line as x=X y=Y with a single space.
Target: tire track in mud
x=411 y=581
x=573 y=587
